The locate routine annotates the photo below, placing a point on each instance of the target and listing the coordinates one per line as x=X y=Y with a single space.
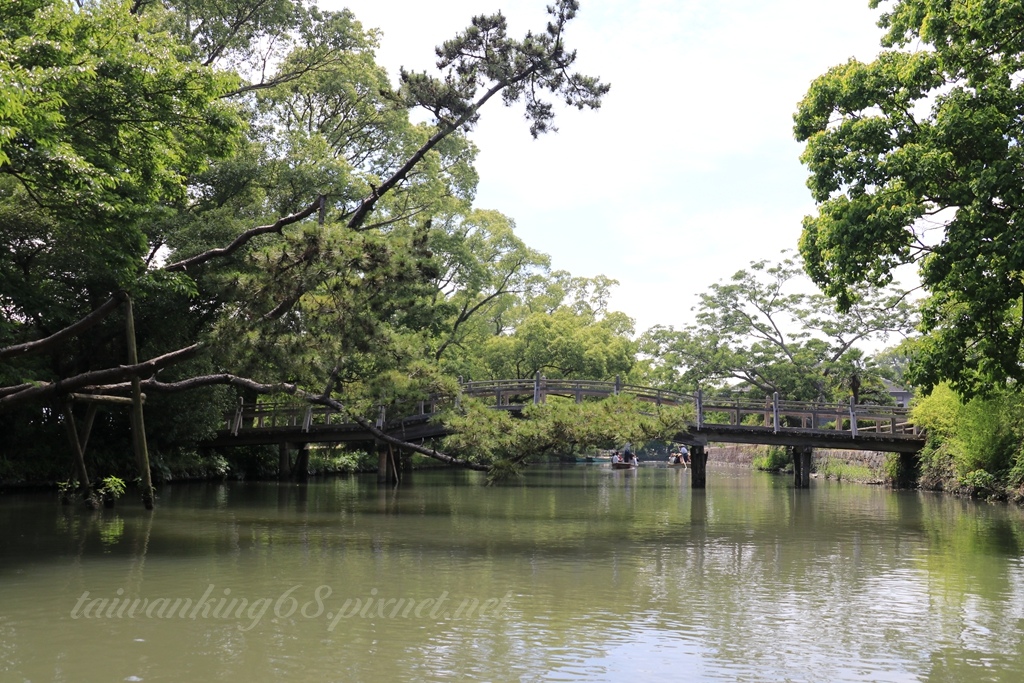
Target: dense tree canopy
x=246 y=172
x=764 y=330
x=916 y=158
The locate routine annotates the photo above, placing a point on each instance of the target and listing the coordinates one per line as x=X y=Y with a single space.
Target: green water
x=572 y=574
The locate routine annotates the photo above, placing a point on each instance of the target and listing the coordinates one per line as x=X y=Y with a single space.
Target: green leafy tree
x=562 y=344
x=506 y=444
x=916 y=157
x=247 y=173
x=972 y=444
x=485 y=271
x=109 y=125
x=763 y=329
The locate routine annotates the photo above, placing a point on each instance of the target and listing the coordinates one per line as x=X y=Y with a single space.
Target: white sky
x=689 y=171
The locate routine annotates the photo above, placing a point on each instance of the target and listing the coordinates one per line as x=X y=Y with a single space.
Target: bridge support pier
x=698 y=467
x=801 y=466
x=796 y=465
x=301 y=470
x=284 y=462
x=387 y=472
x=907 y=470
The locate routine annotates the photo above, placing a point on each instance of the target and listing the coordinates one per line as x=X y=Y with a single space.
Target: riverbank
x=261 y=464
x=866 y=467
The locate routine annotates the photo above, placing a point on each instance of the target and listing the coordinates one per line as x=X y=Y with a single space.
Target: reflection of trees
x=749 y=572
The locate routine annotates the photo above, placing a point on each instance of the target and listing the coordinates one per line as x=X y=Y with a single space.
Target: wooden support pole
x=77 y=449
x=100 y=398
x=138 y=424
x=236 y=423
x=382 y=464
x=853 y=419
x=393 y=473
x=775 y=412
x=698 y=465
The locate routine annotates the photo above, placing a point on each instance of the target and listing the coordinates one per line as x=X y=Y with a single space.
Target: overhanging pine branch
x=152 y=385
x=369 y=202
x=243 y=239
x=56 y=338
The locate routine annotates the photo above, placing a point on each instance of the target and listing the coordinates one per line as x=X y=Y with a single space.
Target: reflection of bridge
x=799 y=426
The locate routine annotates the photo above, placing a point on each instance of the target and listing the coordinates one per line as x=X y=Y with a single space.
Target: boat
x=622 y=466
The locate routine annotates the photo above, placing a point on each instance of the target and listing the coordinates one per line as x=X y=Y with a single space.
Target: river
x=571 y=574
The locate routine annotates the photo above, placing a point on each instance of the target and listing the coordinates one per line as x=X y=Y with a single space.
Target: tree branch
x=244 y=238
x=56 y=338
x=369 y=202
x=63 y=386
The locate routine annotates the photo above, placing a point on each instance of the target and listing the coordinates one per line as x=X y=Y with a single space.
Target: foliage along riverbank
x=975 y=448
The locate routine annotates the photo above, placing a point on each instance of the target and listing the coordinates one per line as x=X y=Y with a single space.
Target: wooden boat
x=622 y=466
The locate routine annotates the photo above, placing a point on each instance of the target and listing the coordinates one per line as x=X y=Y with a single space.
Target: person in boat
x=616 y=457
x=673 y=459
x=684 y=454
x=634 y=462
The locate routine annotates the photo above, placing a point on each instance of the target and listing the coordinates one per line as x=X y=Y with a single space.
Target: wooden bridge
x=800 y=426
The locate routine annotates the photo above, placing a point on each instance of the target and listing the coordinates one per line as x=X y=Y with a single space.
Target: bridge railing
x=505 y=390
x=807 y=415
x=286 y=414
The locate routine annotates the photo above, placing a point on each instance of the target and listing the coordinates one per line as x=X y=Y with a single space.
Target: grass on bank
x=831 y=467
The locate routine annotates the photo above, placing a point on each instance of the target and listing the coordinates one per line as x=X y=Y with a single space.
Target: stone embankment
x=744 y=454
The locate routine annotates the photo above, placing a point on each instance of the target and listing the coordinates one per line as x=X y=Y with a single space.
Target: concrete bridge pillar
x=801 y=466
x=284 y=462
x=698 y=467
x=300 y=472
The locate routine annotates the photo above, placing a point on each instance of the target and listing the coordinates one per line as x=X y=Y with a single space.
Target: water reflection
x=624 y=575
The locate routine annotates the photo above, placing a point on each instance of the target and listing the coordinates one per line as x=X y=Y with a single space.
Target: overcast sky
x=689 y=171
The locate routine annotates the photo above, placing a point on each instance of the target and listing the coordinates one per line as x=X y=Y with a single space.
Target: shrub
x=979 y=482
x=772 y=459
x=971 y=445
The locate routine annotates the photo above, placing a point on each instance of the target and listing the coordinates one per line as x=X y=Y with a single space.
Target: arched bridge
x=718 y=419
